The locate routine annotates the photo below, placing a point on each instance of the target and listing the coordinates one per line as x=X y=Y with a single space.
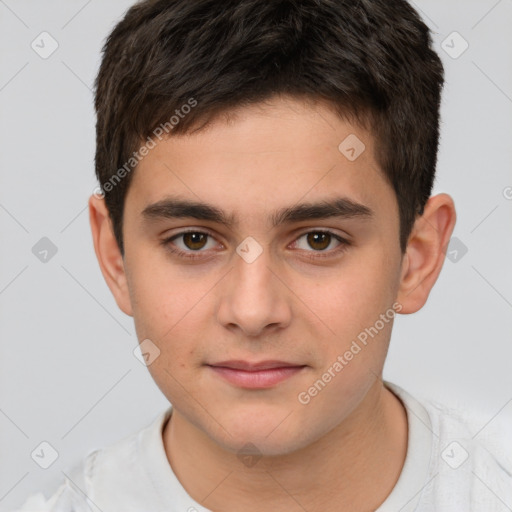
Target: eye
x=193 y=240
x=319 y=241
x=187 y=243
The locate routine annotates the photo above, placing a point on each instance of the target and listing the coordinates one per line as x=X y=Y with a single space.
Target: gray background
x=67 y=372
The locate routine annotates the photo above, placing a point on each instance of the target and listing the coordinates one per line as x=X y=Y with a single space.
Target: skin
x=348 y=444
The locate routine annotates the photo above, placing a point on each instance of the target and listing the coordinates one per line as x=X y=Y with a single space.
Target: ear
x=426 y=252
x=108 y=253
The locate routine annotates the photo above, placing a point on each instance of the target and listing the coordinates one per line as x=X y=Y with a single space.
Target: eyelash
x=194 y=255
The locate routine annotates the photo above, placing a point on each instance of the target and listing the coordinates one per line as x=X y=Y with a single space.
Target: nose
x=253 y=298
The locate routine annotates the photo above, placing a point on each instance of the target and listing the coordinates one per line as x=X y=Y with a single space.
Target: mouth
x=261 y=375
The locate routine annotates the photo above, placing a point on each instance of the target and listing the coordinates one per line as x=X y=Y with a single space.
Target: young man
x=266 y=170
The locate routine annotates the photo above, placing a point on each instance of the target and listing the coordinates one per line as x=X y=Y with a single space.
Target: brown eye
x=318 y=240
x=319 y=244
x=194 y=241
x=190 y=244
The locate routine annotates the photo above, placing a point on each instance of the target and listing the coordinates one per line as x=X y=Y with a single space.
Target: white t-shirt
x=446 y=470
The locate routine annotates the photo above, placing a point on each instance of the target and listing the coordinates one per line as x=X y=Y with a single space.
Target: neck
x=357 y=464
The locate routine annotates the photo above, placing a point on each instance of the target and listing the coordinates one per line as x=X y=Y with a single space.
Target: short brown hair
x=372 y=60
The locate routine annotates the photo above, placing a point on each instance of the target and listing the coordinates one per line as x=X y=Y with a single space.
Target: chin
x=265 y=434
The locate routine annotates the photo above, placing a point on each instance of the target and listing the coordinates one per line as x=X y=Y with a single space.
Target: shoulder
x=470 y=437
x=70 y=496
x=471 y=461
x=113 y=470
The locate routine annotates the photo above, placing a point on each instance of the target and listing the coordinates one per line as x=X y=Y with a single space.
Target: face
x=233 y=258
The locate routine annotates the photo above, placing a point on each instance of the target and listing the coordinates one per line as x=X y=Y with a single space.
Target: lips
x=255 y=375
x=251 y=367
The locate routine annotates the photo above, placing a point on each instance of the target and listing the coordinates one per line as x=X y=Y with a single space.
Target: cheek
x=348 y=300
x=162 y=297
x=169 y=308
x=167 y=312
x=347 y=307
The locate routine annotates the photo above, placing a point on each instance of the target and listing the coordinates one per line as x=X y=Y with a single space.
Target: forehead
x=262 y=158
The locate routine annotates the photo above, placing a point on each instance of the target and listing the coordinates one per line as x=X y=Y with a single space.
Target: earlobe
x=426 y=252
x=108 y=253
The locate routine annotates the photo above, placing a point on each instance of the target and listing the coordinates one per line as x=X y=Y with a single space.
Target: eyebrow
x=175 y=208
